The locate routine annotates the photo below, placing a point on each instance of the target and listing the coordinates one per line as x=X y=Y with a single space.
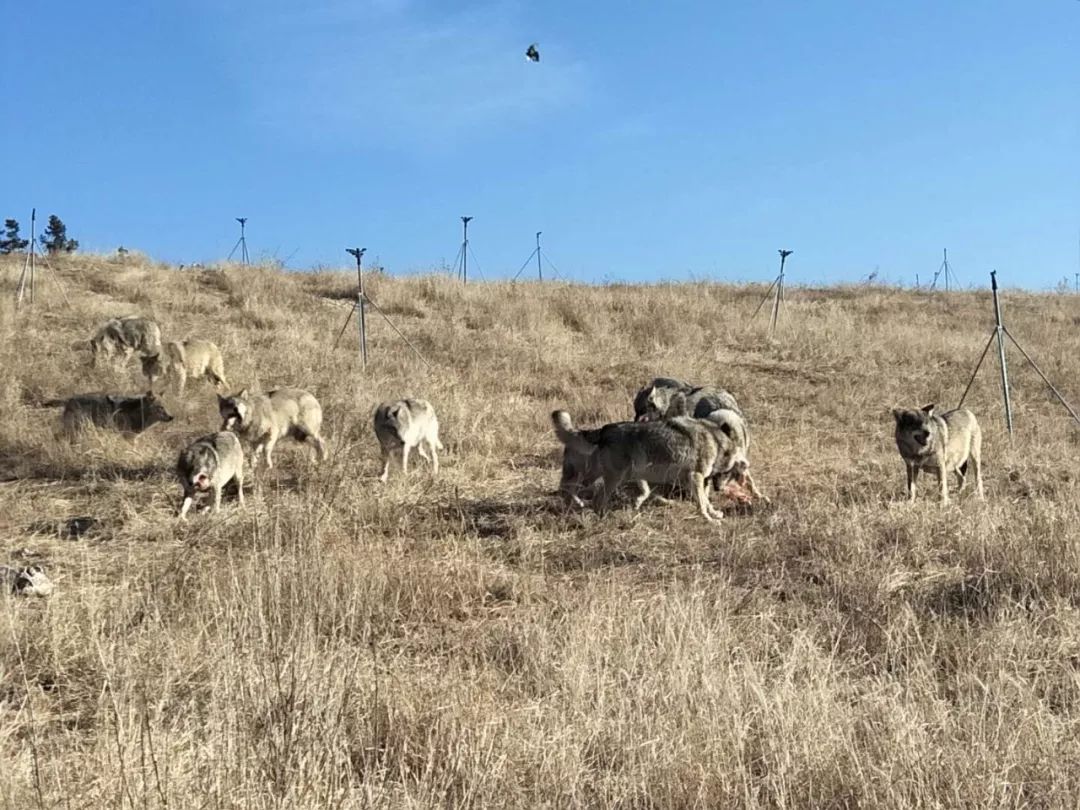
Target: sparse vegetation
x=465 y=641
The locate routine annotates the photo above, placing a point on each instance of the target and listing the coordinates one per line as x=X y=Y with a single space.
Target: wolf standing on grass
x=403 y=425
x=210 y=463
x=122 y=413
x=125 y=336
x=183 y=360
x=673 y=450
x=261 y=420
x=941 y=444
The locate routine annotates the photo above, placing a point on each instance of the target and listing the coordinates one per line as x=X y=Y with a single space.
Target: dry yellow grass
x=466 y=641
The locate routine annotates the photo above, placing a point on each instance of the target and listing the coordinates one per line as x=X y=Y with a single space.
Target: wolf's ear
x=897 y=414
x=929 y=409
x=150 y=395
x=243 y=393
x=221 y=400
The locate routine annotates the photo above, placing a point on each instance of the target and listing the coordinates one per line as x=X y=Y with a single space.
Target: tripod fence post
x=1000 y=332
x=539 y=269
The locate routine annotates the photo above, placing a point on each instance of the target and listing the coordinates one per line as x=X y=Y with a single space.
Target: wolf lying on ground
x=654 y=400
x=210 y=463
x=403 y=425
x=124 y=337
x=126 y=414
x=680 y=449
x=262 y=420
x=185 y=359
x=941 y=444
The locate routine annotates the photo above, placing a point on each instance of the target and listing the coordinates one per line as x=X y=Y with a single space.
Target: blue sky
x=652 y=141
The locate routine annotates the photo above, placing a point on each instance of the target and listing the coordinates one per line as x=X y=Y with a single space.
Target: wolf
x=209 y=463
x=681 y=449
x=403 y=425
x=733 y=423
x=944 y=443
x=29 y=580
x=124 y=337
x=263 y=419
x=184 y=359
x=654 y=400
x=123 y=413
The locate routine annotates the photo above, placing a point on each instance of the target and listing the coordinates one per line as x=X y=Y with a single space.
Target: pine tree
x=55 y=240
x=11 y=242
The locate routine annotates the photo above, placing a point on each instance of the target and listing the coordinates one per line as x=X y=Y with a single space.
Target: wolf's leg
x=962 y=479
x=268 y=448
x=707 y=510
x=943 y=477
x=239 y=477
x=185 y=506
x=217 y=498
x=643 y=485
x=611 y=484
x=320 y=447
x=976 y=460
x=912 y=480
x=434 y=457
x=386 y=465
x=181 y=379
x=405 y=459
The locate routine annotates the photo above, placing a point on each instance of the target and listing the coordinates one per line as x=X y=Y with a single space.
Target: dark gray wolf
x=403 y=425
x=654 y=400
x=123 y=413
x=210 y=463
x=681 y=450
x=262 y=420
x=124 y=337
x=940 y=444
x=183 y=360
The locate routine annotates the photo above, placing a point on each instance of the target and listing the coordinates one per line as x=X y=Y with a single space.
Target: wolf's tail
x=52 y=403
x=564 y=429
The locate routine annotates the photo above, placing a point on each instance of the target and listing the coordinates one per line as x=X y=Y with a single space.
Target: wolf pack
x=682 y=437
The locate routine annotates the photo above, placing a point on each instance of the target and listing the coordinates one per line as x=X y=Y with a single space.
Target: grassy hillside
x=467 y=641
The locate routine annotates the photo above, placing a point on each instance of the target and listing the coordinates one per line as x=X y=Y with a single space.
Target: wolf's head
x=234 y=410
x=915 y=429
x=153 y=410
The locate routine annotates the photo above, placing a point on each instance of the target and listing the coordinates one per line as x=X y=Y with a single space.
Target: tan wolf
x=940 y=444
x=681 y=450
x=124 y=337
x=403 y=425
x=261 y=420
x=186 y=359
x=209 y=463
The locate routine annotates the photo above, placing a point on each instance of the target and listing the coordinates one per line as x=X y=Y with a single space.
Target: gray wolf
x=124 y=337
x=654 y=400
x=678 y=450
x=734 y=425
x=263 y=419
x=403 y=425
x=209 y=463
x=184 y=359
x=941 y=444
x=123 y=413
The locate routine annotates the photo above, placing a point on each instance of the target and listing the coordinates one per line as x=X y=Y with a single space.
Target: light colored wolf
x=682 y=450
x=733 y=423
x=124 y=337
x=186 y=359
x=940 y=444
x=403 y=425
x=123 y=413
x=654 y=400
x=210 y=463
x=261 y=420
